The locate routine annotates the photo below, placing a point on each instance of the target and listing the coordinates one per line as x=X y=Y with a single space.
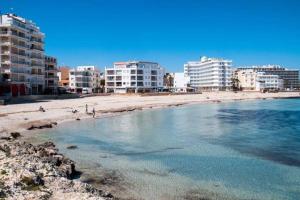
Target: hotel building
x=21 y=55
x=84 y=79
x=211 y=74
x=134 y=76
x=290 y=77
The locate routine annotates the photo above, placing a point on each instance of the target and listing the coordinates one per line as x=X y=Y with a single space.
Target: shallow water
x=237 y=150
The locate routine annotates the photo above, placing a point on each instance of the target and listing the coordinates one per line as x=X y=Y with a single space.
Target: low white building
x=209 y=74
x=181 y=82
x=268 y=82
x=84 y=79
x=134 y=76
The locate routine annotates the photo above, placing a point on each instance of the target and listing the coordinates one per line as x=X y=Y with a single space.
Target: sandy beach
x=20 y=117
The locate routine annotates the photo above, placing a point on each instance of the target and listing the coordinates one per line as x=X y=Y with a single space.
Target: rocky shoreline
x=40 y=172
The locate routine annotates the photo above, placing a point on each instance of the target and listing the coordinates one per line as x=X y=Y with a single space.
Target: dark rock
x=78 y=119
x=31 y=183
x=15 y=135
x=32 y=127
x=72 y=147
x=6 y=149
x=5 y=138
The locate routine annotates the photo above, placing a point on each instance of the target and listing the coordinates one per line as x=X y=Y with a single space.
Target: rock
x=40 y=172
x=5 y=138
x=15 y=135
x=32 y=127
x=72 y=147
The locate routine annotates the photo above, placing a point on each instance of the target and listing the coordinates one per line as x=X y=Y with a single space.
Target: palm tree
x=235 y=84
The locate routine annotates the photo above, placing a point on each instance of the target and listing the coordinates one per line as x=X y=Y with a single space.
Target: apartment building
x=51 y=78
x=290 y=77
x=84 y=79
x=211 y=74
x=22 y=55
x=134 y=76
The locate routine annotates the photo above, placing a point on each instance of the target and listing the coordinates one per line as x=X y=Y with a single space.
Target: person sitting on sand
x=74 y=111
x=42 y=109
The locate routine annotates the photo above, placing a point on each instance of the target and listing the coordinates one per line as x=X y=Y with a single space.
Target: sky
x=100 y=32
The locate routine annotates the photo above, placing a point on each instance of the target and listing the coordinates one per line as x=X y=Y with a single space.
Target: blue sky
x=98 y=32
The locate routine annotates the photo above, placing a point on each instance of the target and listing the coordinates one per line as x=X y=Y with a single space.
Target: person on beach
x=86 y=108
x=94 y=112
x=41 y=109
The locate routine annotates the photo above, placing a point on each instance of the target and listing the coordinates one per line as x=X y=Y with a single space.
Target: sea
x=230 y=150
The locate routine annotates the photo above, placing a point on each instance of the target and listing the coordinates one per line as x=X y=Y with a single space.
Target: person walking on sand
x=94 y=112
x=86 y=108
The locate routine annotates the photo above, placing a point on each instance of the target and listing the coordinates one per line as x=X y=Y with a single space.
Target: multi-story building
x=250 y=79
x=134 y=76
x=290 y=77
x=84 y=79
x=209 y=74
x=268 y=82
x=51 y=78
x=63 y=77
x=181 y=82
x=22 y=55
x=246 y=79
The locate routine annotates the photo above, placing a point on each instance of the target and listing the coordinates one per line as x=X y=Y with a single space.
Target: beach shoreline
x=60 y=111
x=25 y=117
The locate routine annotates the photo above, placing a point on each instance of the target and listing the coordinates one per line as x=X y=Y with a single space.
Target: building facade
x=84 y=79
x=211 y=74
x=51 y=78
x=268 y=82
x=22 y=55
x=63 y=77
x=134 y=76
x=246 y=79
x=290 y=77
x=181 y=82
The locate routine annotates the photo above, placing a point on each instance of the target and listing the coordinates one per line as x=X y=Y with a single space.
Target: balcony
x=6 y=43
x=51 y=69
x=36 y=40
x=5 y=53
x=37 y=48
x=36 y=57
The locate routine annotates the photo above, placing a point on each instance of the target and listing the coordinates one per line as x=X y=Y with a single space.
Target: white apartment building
x=181 y=82
x=209 y=74
x=21 y=55
x=267 y=81
x=134 y=76
x=84 y=79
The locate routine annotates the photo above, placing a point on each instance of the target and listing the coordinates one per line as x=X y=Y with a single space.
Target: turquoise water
x=237 y=150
